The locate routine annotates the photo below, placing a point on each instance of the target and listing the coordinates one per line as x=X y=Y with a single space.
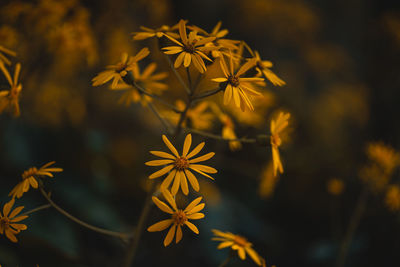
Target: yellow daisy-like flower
x=179 y=217
x=119 y=70
x=179 y=166
x=148 y=80
x=228 y=132
x=30 y=177
x=9 y=221
x=264 y=66
x=9 y=99
x=277 y=126
x=191 y=49
x=239 y=243
x=4 y=51
x=392 y=198
x=159 y=32
x=237 y=87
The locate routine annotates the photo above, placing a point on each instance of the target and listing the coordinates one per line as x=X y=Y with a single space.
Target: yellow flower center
x=29 y=173
x=233 y=80
x=240 y=240
x=276 y=140
x=121 y=68
x=179 y=217
x=189 y=48
x=4 y=223
x=181 y=163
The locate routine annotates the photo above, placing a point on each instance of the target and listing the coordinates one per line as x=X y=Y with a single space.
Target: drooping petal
x=228 y=94
x=175 y=185
x=187 y=59
x=192 y=227
x=184 y=184
x=10 y=235
x=161 y=205
x=160 y=226
x=170 y=235
x=192 y=180
x=178 y=234
x=167 y=181
x=253 y=255
x=203 y=173
x=203 y=168
x=179 y=60
x=161 y=172
x=242 y=253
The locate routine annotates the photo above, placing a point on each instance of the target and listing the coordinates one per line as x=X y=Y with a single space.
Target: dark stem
x=218 y=137
x=177 y=74
x=207 y=94
x=43 y=207
x=352 y=227
x=227 y=260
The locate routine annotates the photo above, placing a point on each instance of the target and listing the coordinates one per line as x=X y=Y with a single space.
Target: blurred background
x=340 y=62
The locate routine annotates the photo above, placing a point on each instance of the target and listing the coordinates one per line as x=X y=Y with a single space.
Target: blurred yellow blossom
x=178 y=166
x=159 y=32
x=178 y=218
x=228 y=132
x=392 y=198
x=30 y=178
x=268 y=181
x=191 y=49
x=335 y=186
x=118 y=71
x=9 y=221
x=4 y=51
x=237 y=242
x=237 y=87
x=264 y=67
x=9 y=99
x=277 y=126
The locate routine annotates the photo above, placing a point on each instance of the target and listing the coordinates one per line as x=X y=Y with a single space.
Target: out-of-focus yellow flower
x=191 y=49
x=4 y=51
x=146 y=79
x=392 y=198
x=30 y=177
x=179 y=217
x=268 y=181
x=237 y=242
x=119 y=70
x=159 y=32
x=237 y=87
x=335 y=186
x=9 y=221
x=264 y=67
x=228 y=132
x=277 y=126
x=383 y=161
x=179 y=166
x=9 y=99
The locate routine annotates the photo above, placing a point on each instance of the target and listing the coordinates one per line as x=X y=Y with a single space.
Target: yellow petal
x=196 y=209
x=187 y=59
x=7 y=207
x=160 y=226
x=253 y=255
x=167 y=181
x=203 y=168
x=178 y=234
x=196 y=150
x=10 y=235
x=184 y=184
x=158 y=162
x=225 y=244
x=177 y=181
x=193 y=204
x=196 y=216
x=162 y=154
x=192 y=180
x=202 y=158
x=170 y=146
x=179 y=60
x=161 y=205
x=15 y=212
x=186 y=145
x=242 y=253
x=167 y=195
x=192 y=227
x=161 y=172
x=170 y=235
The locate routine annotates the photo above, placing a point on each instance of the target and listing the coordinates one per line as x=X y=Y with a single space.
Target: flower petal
x=186 y=145
x=253 y=255
x=167 y=181
x=177 y=181
x=162 y=154
x=196 y=209
x=193 y=204
x=192 y=227
x=202 y=158
x=159 y=162
x=7 y=207
x=196 y=150
x=196 y=216
x=203 y=168
x=161 y=172
x=160 y=226
x=178 y=234
x=167 y=195
x=170 y=146
x=161 y=205
x=192 y=180
x=184 y=184
x=170 y=235
x=225 y=244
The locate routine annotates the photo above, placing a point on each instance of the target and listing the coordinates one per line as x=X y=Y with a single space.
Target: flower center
x=4 y=223
x=120 y=67
x=181 y=163
x=30 y=172
x=233 y=80
x=240 y=240
x=179 y=217
x=189 y=48
x=276 y=140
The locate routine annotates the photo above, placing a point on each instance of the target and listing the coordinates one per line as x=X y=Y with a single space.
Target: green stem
x=123 y=236
x=177 y=74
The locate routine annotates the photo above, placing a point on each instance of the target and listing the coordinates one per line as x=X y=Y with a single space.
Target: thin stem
x=43 y=207
x=217 y=137
x=177 y=74
x=158 y=115
x=123 y=236
x=227 y=260
x=156 y=97
x=352 y=227
x=131 y=252
x=207 y=94
x=189 y=79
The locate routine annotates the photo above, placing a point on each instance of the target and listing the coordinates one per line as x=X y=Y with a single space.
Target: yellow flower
x=179 y=217
x=335 y=186
x=9 y=99
x=119 y=70
x=30 y=177
x=392 y=198
x=239 y=243
x=268 y=181
x=191 y=49
x=9 y=221
x=263 y=66
x=147 y=80
x=228 y=132
x=3 y=58
x=159 y=32
x=237 y=87
x=179 y=166
x=277 y=126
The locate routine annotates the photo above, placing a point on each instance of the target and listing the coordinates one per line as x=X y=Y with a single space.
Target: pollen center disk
x=29 y=173
x=233 y=80
x=189 y=48
x=4 y=223
x=179 y=217
x=241 y=241
x=181 y=163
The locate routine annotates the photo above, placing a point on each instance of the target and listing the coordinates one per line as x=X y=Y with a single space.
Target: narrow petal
x=192 y=227
x=182 y=31
x=228 y=94
x=196 y=209
x=186 y=145
x=167 y=181
x=242 y=253
x=19 y=227
x=179 y=60
x=248 y=65
x=170 y=235
x=219 y=80
x=7 y=207
x=236 y=97
x=202 y=158
x=161 y=205
x=203 y=173
x=33 y=182
x=196 y=216
x=170 y=146
x=167 y=195
x=16 y=73
x=162 y=154
x=159 y=162
x=178 y=234
x=160 y=226
x=253 y=255
x=10 y=235
x=203 y=168
x=193 y=204
x=161 y=172
x=192 y=180
x=19 y=218
x=196 y=150
x=225 y=244
x=184 y=184
x=187 y=59
x=15 y=212
x=177 y=181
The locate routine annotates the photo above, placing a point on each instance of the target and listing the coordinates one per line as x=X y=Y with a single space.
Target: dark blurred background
x=340 y=60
